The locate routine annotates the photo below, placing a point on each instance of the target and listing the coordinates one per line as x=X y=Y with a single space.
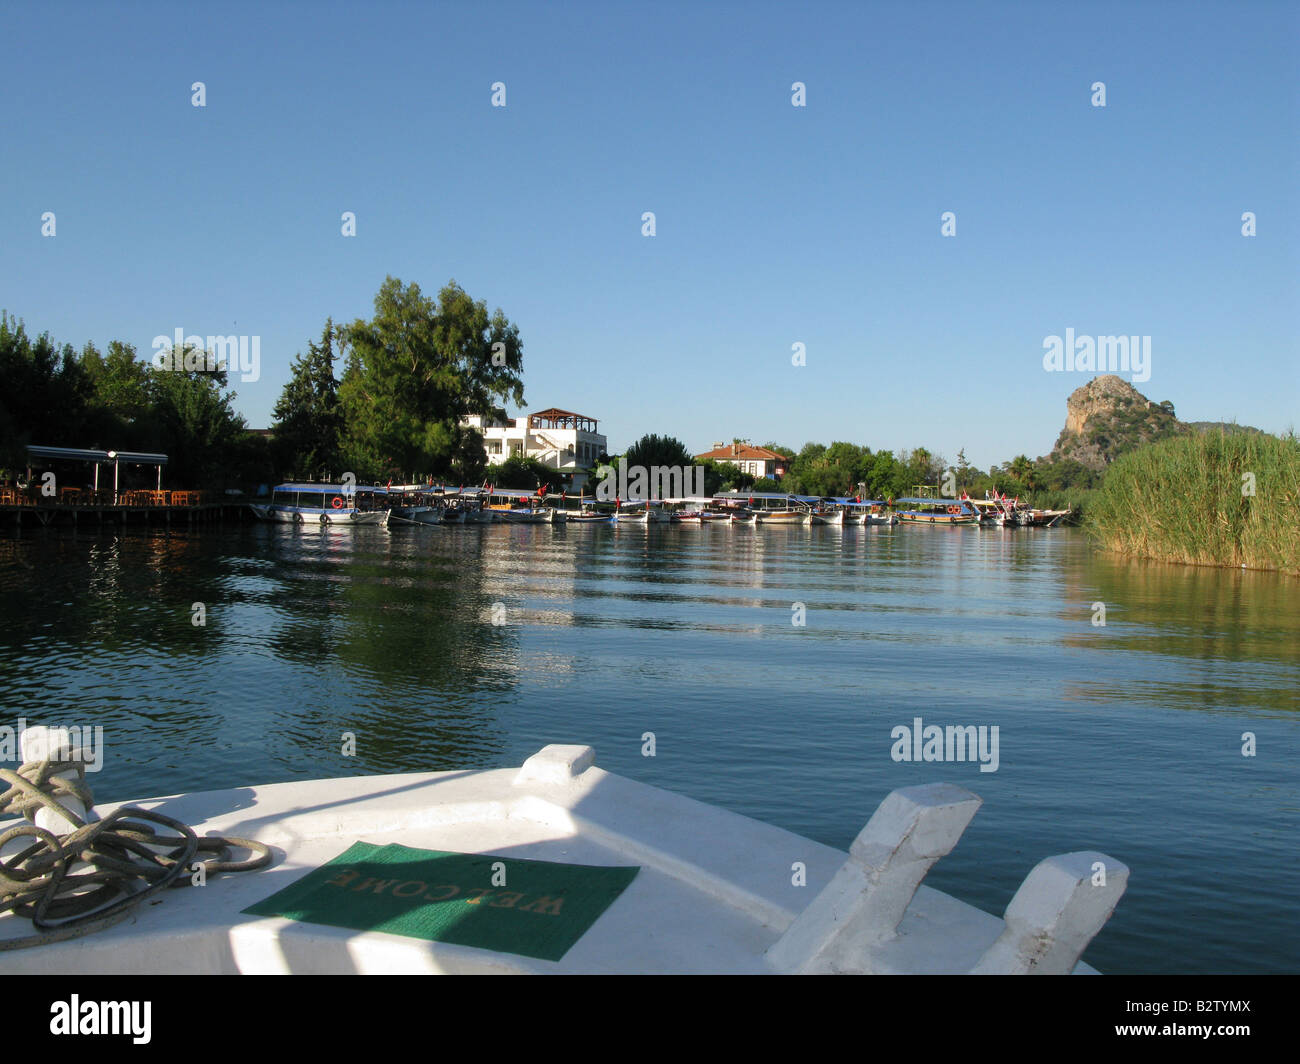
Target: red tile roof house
x=758 y=461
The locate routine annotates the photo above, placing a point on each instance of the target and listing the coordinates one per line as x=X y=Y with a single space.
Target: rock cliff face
x=1108 y=416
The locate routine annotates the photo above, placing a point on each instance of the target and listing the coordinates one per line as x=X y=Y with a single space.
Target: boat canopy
x=844 y=501
x=918 y=501
x=335 y=489
x=507 y=493
x=755 y=495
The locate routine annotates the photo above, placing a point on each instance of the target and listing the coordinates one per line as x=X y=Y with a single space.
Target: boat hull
x=938 y=519
x=335 y=518
x=646 y=517
x=525 y=517
x=825 y=519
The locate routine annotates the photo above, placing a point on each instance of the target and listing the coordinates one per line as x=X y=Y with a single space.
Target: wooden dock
x=73 y=508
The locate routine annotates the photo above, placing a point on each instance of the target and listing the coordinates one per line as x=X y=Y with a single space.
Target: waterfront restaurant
x=45 y=457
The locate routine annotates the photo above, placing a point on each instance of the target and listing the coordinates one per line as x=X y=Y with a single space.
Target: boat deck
x=714 y=892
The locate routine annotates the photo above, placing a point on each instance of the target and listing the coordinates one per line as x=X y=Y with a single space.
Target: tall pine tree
x=308 y=419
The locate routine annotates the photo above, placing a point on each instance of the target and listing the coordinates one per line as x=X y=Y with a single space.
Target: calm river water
x=1126 y=738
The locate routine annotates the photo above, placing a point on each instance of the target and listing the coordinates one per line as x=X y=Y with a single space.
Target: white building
x=561 y=439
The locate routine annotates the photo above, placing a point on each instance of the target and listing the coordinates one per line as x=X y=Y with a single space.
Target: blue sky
x=774 y=224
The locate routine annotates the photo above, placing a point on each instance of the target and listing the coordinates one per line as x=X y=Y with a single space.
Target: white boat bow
x=716 y=892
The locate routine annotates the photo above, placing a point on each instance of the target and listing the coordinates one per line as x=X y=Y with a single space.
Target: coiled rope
x=127 y=857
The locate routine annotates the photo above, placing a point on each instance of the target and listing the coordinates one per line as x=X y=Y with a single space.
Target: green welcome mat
x=532 y=908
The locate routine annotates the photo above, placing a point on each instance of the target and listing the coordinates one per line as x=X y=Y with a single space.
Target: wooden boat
x=693 y=510
x=543 y=516
x=325 y=504
x=779 y=517
x=771 y=508
x=991 y=511
x=588 y=517
x=865 y=511
x=1041 y=518
x=702 y=890
x=921 y=510
x=642 y=513
x=824 y=517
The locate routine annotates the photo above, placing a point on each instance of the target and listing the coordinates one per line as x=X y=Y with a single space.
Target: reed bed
x=1187 y=500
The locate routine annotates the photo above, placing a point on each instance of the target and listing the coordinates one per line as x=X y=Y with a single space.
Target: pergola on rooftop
x=554 y=418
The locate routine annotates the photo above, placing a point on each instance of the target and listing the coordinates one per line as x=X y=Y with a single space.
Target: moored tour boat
x=824 y=517
x=865 y=512
x=922 y=510
x=650 y=512
x=325 y=504
x=587 y=517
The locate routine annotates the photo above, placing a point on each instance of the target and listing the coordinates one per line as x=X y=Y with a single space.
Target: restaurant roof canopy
x=78 y=454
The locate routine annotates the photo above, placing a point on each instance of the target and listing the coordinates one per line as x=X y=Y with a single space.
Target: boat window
x=311 y=499
x=282 y=498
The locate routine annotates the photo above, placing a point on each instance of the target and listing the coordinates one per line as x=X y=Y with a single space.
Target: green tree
x=653 y=450
x=120 y=381
x=963 y=469
x=525 y=474
x=308 y=421
x=419 y=366
x=192 y=420
x=45 y=395
x=1023 y=470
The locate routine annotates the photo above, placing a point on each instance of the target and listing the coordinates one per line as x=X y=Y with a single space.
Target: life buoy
x=297 y=519
x=324 y=519
x=932 y=520
x=954 y=509
x=337 y=503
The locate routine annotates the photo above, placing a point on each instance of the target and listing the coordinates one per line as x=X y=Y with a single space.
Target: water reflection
x=467 y=647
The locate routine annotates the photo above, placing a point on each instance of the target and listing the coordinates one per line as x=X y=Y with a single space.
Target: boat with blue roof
x=326 y=504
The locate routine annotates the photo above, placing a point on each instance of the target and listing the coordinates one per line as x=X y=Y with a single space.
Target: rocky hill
x=1108 y=416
